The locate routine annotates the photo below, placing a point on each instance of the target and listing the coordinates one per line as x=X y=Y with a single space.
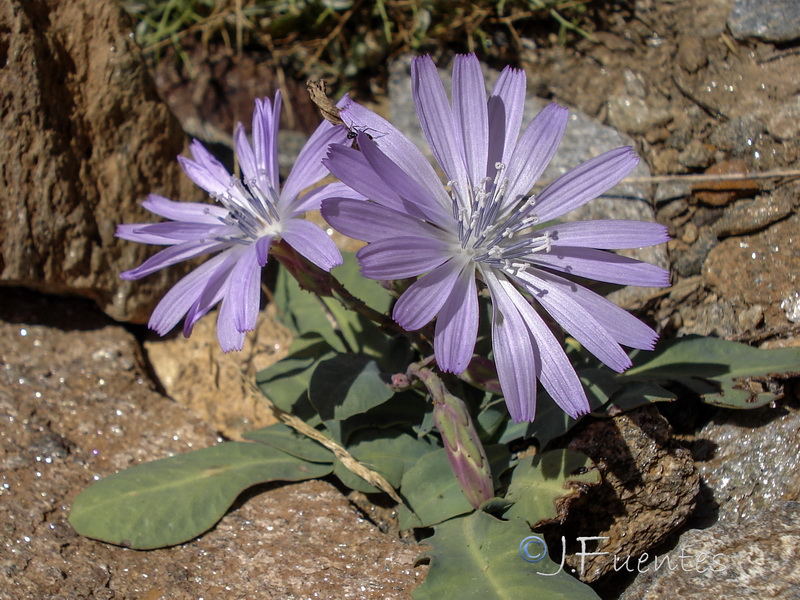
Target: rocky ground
x=709 y=87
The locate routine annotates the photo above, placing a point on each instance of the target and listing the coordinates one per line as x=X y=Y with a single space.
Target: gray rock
x=750 y=461
x=756 y=558
x=86 y=138
x=584 y=139
x=769 y=20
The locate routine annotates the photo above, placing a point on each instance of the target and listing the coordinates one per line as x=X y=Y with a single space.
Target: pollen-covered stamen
x=250 y=208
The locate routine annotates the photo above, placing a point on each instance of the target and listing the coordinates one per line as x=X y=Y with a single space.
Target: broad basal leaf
x=479 y=557
x=173 y=500
x=542 y=485
x=723 y=373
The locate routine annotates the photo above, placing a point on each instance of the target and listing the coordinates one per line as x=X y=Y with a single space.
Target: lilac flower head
x=255 y=212
x=480 y=223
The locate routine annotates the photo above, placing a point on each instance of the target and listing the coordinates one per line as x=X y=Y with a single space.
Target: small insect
x=354 y=131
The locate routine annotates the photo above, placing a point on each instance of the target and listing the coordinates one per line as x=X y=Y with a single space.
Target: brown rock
x=76 y=405
x=759 y=269
x=86 y=138
x=218 y=387
x=649 y=489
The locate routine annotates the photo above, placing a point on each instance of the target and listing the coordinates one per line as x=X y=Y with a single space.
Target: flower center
x=251 y=208
x=488 y=235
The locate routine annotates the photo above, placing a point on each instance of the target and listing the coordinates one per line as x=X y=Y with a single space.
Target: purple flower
x=481 y=223
x=254 y=213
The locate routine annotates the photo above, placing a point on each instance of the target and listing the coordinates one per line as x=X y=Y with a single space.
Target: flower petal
x=579 y=323
x=244 y=154
x=404 y=256
x=585 y=182
x=312 y=242
x=243 y=290
x=607 y=234
x=558 y=375
x=457 y=324
x=173 y=255
x=194 y=212
x=534 y=151
x=425 y=297
x=371 y=222
x=470 y=114
x=436 y=118
x=396 y=146
x=177 y=231
x=601 y=265
x=308 y=168
x=620 y=324
x=266 y=121
x=179 y=299
x=313 y=199
x=515 y=353
x=505 y=108
x=414 y=199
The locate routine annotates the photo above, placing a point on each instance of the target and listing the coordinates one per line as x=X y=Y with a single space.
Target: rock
x=76 y=405
x=769 y=20
x=648 y=491
x=756 y=558
x=692 y=56
x=747 y=216
x=743 y=462
x=583 y=139
x=739 y=135
x=785 y=123
x=86 y=138
x=760 y=269
x=218 y=387
x=721 y=192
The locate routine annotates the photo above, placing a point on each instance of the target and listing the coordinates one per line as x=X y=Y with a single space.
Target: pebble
x=768 y=20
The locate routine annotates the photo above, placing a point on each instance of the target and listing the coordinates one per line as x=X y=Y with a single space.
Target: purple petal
x=353 y=168
x=205 y=170
x=470 y=114
x=211 y=294
x=505 y=108
x=579 y=323
x=308 y=168
x=403 y=256
x=620 y=324
x=179 y=299
x=230 y=338
x=134 y=232
x=194 y=212
x=557 y=376
x=177 y=231
x=585 y=182
x=312 y=242
x=243 y=290
x=414 y=199
x=371 y=222
x=424 y=298
x=436 y=118
x=607 y=234
x=172 y=255
x=266 y=122
x=515 y=353
x=397 y=147
x=534 y=151
x=262 y=249
x=313 y=199
x=601 y=265
x=457 y=324
x=245 y=156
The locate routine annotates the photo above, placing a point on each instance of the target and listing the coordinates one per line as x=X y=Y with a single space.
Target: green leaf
x=372 y=293
x=303 y=312
x=286 y=382
x=542 y=484
x=286 y=439
x=432 y=492
x=730 y=367
x=173 y=500
x=346 y=385
x=479 y=557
